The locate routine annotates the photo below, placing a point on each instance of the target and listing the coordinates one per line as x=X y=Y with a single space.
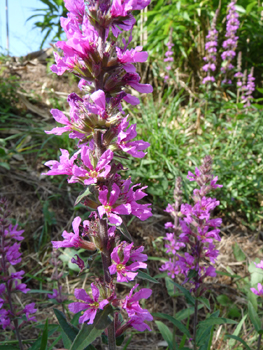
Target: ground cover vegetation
x=203 y=122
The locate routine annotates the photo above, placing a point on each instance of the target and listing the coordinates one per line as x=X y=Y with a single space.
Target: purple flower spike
x=211 y=48
x=89 y=306
x=230 y=44
x=194 y=228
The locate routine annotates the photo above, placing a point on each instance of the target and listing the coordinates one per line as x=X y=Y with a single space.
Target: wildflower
x=89 y=305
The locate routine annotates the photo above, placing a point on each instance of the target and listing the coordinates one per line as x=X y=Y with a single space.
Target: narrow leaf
x=82 y=195
x=44 y=338
x=175 y=322
x=238 y=339
x=216 y=320
x=183 y=314
x=145 y=276
x=237 y=331
x=186 y=293
x=254 y=317
x=205 y=302
x=123 y=230
x=89 y=333
x=166 y=333
x=69 y=330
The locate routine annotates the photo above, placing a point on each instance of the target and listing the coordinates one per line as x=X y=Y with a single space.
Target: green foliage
x=181 y=136
x=89 y=333
x=50 y=19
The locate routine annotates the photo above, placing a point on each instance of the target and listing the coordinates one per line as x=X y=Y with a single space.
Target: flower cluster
x=247 y=89
x=169 y=58
x=194 y=227
x=10 y=282
x=211 y=49
x=97 y=121
x=259 y=291
x=230 y=44
x=239 y=75
x=56 y=276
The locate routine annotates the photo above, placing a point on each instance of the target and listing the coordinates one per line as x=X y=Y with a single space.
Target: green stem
x=195 y=323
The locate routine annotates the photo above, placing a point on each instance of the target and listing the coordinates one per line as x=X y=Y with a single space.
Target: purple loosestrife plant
x=11 y=316
x=194 y=229
x=211 y=49
x=248 y=89
x=95 y=53
x=169 y=58
x=230 y=44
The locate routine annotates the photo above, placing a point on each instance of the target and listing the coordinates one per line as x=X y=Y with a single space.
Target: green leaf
x=254 y=317
x=240 y=9
x=44 y=338
x=145 y=276
x=238 y=339
x=238 y=253
x=89 y=333
x=8 y=347
x=186 y=313
x=171 y=289
x=205 y=302
x=127 y=343
x=40 y=291
x=223 y=300
x=236 y=332
x=69 y=330
x=186 y=293
x=124 y=231
x=175 y=322
x=215 y=320
x=5 y=165
x=82 y=195
x=166 y=333
x=36 y=344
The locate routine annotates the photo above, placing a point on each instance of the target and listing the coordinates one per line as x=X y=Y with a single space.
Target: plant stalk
x=8 y=289
x=195 y=323
x=105 y=254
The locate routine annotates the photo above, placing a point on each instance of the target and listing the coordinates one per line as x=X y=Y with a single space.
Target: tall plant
x=95 y=53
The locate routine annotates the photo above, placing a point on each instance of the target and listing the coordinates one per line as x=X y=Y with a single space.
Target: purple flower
x=135 y=312
x=4 y=318
x=78 y=261
x=90 y=173
x=12 y=232
x=57 y=294
x=211 y=47
x=120 y=257
x=73 y=239
x=260 y=265
x=131 y=56
x=110 y=207
x=30 y=309
x=89 y=306
x=64 y=166
x=230 y=43
x=134 y=148
x=258 y=292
